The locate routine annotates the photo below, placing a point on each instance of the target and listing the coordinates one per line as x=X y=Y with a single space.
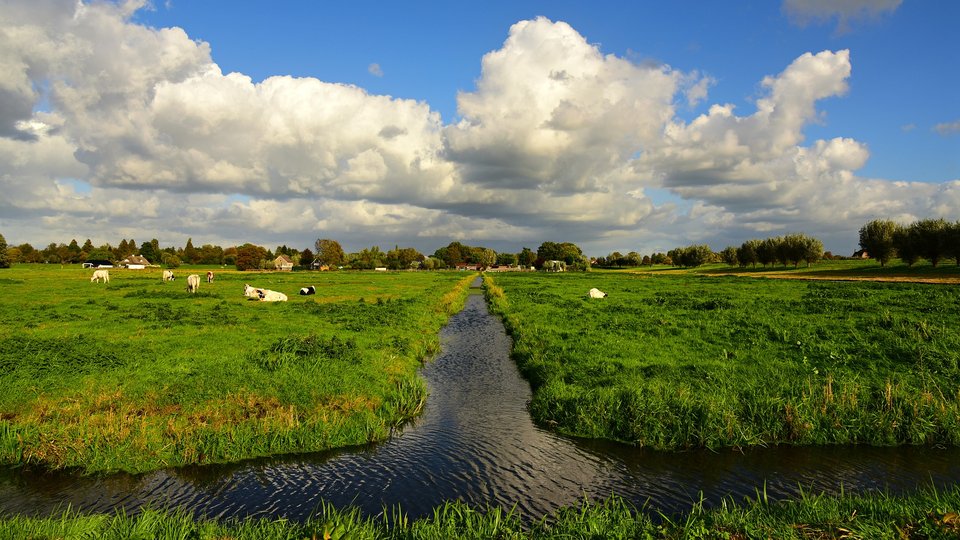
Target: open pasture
x=137 y=373
x=679 y=361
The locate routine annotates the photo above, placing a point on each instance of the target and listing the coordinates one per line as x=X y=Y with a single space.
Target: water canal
x=476 y=442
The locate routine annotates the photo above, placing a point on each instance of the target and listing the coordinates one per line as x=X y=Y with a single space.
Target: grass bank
x=926 y=514
x=680 y=361
x=138 y=374
x=846 y=269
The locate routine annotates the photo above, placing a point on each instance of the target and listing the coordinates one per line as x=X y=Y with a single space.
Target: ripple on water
x=475 y=442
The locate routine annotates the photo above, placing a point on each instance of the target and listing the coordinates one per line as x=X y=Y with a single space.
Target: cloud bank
x=109 y=130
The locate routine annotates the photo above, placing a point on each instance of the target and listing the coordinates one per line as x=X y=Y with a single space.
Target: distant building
x=98 y=263
x=135 y=262
x=862 y=254
x=283 y=263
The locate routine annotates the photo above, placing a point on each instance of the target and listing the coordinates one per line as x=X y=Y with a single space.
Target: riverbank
x=928 y=513
x=685 y=361
x=137 y=374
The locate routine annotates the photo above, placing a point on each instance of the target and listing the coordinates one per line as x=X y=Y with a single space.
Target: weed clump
x=306 y=351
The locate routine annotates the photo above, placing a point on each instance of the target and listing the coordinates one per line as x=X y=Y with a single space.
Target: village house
x=135 y=262
x=283 y=263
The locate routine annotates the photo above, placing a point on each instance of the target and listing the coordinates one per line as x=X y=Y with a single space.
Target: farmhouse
x=283 y=263
x=317 y=264
x=135 y=262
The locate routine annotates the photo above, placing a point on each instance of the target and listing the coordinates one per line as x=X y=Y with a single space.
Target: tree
x=526 y=257
x=453 y=254
x=170 y=260
x=729 y=256
x=250 y=257
x=4 y=256
x=812 y=250
x=151 y=251
x=767 y=251
x=210 y=254
x=402 y=258
x=568 y=252
x=369 y=258
x=953 y=242
x=329 y=252
x=876 y=238
x=747 y=253
x=506 y=259
x=100 y=254
x=306 y=258
x=190 y=253
x=906 y=244
x=931 y=238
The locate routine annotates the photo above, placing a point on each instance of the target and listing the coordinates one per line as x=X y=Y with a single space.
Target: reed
x=927 y=513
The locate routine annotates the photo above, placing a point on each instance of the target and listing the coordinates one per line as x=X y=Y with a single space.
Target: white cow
x=597 y=293
x=193 y=283
x=100 y=274
x=264 y=295
x=167 y=275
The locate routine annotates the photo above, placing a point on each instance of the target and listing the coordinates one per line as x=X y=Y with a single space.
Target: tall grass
x=138 y=374
x=685 y=361
x=928 y=513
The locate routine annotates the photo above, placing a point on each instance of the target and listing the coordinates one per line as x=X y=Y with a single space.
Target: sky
x=620 y=126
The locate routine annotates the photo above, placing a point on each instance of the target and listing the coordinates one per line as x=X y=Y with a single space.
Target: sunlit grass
x=928 y=513
x=138 y=374
x=679 y=361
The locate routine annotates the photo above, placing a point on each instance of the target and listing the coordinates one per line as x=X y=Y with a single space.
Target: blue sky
x=906 y=65
x=618 y=125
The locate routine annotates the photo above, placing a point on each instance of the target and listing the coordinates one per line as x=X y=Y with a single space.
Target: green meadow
x=683 y=360
x=138 y=374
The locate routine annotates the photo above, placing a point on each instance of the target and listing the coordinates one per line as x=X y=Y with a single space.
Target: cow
x=193 y=283
x=100 y=274
x=304 y=291
x=263 y=295
x=209 y=276
x=597 y=293
x=167 y=275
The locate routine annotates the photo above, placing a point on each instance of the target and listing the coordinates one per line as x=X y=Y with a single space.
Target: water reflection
x=475 y=442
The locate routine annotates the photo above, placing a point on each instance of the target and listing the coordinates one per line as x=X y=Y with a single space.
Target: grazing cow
x=167 y=275
x=209 y=276
x=100 y=274
x=304 y=291
x=597 y=293
x=193 y=283
x=264 y=295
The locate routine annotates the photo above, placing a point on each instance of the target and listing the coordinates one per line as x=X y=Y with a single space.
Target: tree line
x=930 y=239
x=327 y=252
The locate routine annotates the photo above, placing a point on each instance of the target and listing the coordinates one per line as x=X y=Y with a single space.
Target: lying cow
x=263 y=295
x=597 y=293
x=167 y=275
x=100 y=274
x=304 y=291
x=193 y=283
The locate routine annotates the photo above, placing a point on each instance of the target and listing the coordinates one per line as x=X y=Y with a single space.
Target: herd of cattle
x=193 y=285
x=263 y=295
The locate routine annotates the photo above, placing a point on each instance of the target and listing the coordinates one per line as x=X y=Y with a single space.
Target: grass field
x=138 y=374
x=833 y=270
x=926 y=514
x=686 y=360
